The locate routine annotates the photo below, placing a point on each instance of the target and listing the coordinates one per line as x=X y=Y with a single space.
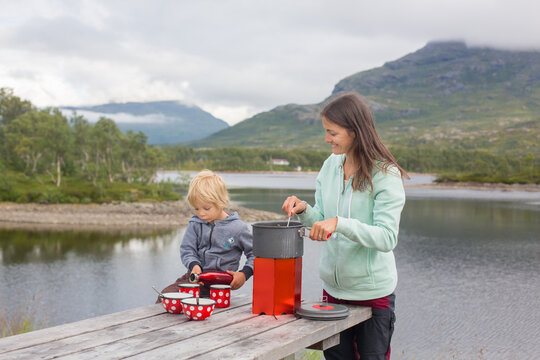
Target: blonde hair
x=208 y=187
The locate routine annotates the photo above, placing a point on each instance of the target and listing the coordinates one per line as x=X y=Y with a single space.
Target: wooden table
x=151 y=333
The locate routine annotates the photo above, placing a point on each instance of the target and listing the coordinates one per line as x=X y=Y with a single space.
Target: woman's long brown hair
x=351 y=113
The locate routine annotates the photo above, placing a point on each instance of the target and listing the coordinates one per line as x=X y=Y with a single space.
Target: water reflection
x=64 y=276
x=21 y=246
x=465 y=218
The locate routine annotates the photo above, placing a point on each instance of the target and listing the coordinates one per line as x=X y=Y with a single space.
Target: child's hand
x=197 y=270
x=239 y=278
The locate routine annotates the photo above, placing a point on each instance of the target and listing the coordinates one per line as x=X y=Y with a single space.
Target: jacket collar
x=232 y=217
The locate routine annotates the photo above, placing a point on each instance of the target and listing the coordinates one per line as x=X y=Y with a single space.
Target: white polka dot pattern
x=171 y=302
x=199 y=312
x=221 y=294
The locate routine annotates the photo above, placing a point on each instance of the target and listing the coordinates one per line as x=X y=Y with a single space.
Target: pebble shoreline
x=113 y=216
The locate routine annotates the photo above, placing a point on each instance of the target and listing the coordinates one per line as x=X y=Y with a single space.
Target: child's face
x=209 y=212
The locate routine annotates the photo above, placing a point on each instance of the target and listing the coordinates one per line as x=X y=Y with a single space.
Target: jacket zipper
x=340 y=184
x=210 y=241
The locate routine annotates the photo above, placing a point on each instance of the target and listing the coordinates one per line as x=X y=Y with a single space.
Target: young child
x=214 y=240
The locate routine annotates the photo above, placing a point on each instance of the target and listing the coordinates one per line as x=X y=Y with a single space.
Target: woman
x=359 y=198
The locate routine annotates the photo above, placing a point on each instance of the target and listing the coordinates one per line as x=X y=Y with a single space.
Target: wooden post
x=326 y=343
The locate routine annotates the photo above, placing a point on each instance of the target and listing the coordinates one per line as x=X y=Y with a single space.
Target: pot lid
x=322 y=311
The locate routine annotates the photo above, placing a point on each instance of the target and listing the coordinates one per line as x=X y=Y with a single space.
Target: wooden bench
x=151 y=333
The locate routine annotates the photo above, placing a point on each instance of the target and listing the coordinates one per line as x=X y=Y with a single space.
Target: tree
x=178 y=155
x=82 y=137
x=58 y=140
x=25 y=140
x=153 y=159
x=528 y=166
x=106 y=137
x=132 y=153
x=12 y=106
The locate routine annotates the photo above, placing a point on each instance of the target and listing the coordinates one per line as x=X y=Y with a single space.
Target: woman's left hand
x=321 y=230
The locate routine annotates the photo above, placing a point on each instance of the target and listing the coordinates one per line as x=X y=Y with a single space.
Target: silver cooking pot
x=276 y=240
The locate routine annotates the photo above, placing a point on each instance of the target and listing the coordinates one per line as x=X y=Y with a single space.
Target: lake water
x=468 y=264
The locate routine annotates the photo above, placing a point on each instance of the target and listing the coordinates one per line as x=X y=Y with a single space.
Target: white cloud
x=233 y=58
x=120 y=118
x=231 y=114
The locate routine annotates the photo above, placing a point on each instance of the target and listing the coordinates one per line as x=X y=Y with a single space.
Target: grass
x=18 y=321
x=308 y=354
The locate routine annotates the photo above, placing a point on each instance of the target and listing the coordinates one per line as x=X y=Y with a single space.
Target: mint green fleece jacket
x=357 y=262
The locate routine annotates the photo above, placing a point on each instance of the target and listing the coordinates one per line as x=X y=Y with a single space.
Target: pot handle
x=304 y=232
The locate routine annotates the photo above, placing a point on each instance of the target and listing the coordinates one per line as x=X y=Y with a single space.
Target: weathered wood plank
x=71 y=329
x=90 y=339
x=202 y=343
x=152 y=340
x=95 y=338
x=282 y=341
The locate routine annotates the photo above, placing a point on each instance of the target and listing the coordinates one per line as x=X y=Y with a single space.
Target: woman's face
x=340 y=138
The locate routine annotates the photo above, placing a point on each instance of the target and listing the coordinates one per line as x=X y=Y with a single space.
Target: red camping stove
x=277 y=273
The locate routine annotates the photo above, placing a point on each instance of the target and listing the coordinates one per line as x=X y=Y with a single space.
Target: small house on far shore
x=280 y=162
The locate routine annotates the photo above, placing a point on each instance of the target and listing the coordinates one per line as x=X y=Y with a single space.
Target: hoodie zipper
x=340 y=192
x=210 y=241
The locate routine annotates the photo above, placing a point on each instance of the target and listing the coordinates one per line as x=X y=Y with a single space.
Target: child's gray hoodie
x=218 y=246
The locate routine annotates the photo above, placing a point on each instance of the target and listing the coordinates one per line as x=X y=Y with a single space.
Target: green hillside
x=445 y=94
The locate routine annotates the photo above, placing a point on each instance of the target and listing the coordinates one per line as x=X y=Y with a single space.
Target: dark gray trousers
x=369 y=340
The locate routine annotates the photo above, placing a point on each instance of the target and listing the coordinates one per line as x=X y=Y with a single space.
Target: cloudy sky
x=233 y=58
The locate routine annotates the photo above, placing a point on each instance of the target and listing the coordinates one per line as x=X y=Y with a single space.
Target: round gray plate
x=322 y=311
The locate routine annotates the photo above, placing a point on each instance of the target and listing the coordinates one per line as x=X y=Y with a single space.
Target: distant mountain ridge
x=165 y=122
x=446 y=93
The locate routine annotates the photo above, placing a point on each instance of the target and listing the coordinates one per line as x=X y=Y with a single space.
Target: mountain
x=165 y=122
x=446 y=94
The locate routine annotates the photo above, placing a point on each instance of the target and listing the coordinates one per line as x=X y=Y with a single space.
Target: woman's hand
x=321 y=230
x=239 y=278
x=293 y=205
